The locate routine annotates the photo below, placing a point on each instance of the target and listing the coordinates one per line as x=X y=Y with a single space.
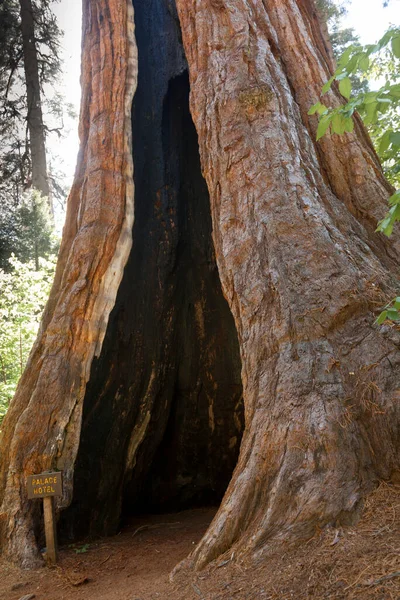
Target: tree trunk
x=301 y=267
x=164 y=399
x=34 y=103
x=41 y=430
x=155 y=419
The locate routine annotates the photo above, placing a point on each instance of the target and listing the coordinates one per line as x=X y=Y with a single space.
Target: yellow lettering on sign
x=47 y=489
x=46 y=484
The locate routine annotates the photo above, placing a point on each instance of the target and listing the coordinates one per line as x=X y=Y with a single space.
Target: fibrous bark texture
x=41 y=430
x=287 y=320
x=159 y=423
x=164 y=402
x=293 y=231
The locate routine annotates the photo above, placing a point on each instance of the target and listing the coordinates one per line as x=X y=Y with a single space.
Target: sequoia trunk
x=34 y=117
x=164 y=401
x=41 y=430
x=302 y=269
x=156 y=419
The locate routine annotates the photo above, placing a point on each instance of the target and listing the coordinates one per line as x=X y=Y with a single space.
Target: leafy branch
x=371 y=105
x=380 y=111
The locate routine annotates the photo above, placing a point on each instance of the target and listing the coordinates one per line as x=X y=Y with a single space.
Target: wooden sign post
x=46 y=486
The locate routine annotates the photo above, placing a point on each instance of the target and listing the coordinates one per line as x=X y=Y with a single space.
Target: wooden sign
x=46 y=486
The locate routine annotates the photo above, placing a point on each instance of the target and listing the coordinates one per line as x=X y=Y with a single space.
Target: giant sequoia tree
x=243 y=275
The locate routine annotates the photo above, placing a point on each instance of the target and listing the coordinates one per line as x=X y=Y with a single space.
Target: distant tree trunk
x=34 y=116
x=157 y=412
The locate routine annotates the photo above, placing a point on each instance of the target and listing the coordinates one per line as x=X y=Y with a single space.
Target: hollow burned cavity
x=163 y=412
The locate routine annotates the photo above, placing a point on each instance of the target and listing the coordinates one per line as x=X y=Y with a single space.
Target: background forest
x=32 y=189
x=32 y=185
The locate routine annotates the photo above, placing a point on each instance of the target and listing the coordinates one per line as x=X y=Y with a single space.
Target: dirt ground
x=362 y=563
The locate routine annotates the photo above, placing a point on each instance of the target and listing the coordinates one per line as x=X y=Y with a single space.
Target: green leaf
x=314 y=108
x=83 y=549
x=341 y=74
x=385 y=39
x=394 y=91
x=393 y=314
x=370 y=97
x=389 y=229
x=319 y=108
x=344 y=59
x=364 y=63
x=387 y=224
x=323 y=126
x=385 y=142
x=385 y=99
x=371 y=116
x=353 y=63
x=395 y=199
x=345 y=87
x=349 y=125
x=328 y=85
x=338 y=124
x=395 y=138
x=396 y=46
x=382 y=318
x=383 y=224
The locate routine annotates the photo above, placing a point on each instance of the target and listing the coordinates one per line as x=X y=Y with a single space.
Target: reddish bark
x=299 y=263
x=41 y=429
x=293 y=224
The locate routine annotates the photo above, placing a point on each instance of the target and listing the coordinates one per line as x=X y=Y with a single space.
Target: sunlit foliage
x=23 y=295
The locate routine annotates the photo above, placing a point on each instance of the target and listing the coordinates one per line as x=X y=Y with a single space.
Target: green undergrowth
x=23 y=295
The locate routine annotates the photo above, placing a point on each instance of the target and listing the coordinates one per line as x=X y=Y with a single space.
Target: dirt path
x=130 y=566
x=360 y=563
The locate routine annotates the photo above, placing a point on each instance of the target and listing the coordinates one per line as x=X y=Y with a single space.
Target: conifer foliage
x=29 y=59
